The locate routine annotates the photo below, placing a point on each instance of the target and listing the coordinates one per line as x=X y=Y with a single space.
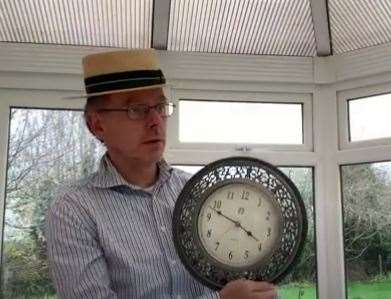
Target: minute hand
x=237 y=223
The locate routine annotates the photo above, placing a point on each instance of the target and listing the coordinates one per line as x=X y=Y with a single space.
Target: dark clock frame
x=233 y=170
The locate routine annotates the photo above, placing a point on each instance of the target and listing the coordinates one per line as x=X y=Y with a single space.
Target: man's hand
x=244 y=289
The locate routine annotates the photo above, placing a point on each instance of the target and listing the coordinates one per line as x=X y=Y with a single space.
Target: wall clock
x=239 y=217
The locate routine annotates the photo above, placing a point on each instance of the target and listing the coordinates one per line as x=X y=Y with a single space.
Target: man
x=109 y=236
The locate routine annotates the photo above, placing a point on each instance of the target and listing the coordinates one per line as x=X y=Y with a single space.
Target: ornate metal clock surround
x=232 y=170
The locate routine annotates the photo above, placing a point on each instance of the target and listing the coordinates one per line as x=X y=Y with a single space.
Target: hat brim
x=87 y=95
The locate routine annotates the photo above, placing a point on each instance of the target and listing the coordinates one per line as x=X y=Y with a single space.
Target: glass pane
x=302 y=281
x=281 y=27
x=189 y=168
x=366 y=193
x=240 y=122
x=103 y=23
x=369 y=117
x=345 y=15
x=46 y=148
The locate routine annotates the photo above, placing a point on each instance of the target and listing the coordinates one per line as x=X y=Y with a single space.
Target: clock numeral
x=260 y=247
x=208 y=216
x=209 y=233
x=259 y=201
x=268 y=214
x=230 y=195
x=269 y=231
x=217 y=204
x=246 y=254
x=245 y=195
x=217 y=245
x=241 y=211
x=230 y=255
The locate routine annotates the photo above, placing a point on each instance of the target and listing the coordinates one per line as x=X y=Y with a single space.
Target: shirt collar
x=107 y=175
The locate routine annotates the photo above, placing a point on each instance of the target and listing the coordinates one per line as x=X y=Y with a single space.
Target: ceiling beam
x=321 y=27
x=160 y=22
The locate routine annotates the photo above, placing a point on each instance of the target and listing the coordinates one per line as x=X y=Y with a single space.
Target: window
x=366 y=193
x=369 y=117
x=221 y=120
x=302 y=281
x=237 y=122
x=46 y=148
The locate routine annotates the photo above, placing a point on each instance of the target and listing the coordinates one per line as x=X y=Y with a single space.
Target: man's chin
x=154 y=154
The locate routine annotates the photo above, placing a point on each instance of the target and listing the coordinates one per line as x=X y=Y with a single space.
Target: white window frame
x=320 y=78
x=357 y=152
x=237 y=96
x=343 y=117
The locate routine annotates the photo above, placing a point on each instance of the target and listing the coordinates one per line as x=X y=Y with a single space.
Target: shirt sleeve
x=213 y=295
x=77 y=264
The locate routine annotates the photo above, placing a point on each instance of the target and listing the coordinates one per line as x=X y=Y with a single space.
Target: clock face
x=239 y=225
x=239 y=217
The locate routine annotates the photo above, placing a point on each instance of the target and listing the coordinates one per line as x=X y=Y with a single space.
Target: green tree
x=47 y=147
x=366 y=203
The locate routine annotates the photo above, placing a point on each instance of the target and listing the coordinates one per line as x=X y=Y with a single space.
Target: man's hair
x=93 y=103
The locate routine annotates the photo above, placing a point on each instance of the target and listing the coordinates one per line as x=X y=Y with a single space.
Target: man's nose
x=154 y=117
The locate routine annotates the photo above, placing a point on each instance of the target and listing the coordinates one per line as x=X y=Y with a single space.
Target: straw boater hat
x=120 y=71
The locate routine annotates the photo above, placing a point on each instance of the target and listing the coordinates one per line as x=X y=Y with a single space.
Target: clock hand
x=249 y=233
x=237 y=223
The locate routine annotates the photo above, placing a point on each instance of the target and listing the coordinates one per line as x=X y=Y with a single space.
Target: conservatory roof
x=255 y=27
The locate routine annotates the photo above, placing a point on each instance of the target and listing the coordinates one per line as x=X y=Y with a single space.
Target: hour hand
x=249 y=233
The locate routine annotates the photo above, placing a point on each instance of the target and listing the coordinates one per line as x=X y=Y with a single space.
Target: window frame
x=343 y=116
x=235 y=96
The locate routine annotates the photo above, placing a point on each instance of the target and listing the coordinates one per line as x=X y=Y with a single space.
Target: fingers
x=260 y=286
x=249 y=289
x=271 y=294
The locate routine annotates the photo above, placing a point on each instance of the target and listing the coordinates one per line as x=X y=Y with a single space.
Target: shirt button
x=173 y=262
x=163 y=228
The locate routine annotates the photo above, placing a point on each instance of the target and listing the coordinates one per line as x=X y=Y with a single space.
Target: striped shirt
x=107 y=238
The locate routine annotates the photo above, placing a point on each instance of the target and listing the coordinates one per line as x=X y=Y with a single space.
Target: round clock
x=239 y=217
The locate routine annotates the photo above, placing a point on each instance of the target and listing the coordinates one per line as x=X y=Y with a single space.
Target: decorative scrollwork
x=284 y=193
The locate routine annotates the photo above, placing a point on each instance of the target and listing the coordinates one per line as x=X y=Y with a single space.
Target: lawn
x=357 y=290
x=374 y=290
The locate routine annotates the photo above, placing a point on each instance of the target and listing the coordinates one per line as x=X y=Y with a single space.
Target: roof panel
x=272 y=27
x=108 y=23
x=357 y=24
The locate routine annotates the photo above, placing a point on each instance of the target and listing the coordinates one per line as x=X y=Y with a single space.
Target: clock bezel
x=294 y=230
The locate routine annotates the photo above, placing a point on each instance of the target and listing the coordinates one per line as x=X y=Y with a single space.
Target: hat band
x=124 y=80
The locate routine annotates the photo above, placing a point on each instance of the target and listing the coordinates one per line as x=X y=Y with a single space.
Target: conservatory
x=304 y=85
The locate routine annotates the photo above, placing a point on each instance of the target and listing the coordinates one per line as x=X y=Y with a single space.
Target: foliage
x=25 y=273
x=46 y=148
x=367 y=221
x=305 y=269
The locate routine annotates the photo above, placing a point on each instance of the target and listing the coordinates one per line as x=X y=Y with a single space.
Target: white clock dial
x=239 y=225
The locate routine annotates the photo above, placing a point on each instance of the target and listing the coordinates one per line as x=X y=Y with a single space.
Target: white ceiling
x=255 y=27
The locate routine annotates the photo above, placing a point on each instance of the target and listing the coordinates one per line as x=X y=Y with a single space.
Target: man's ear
x=94 y=124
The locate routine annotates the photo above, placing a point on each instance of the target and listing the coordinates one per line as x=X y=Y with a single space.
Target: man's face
x=137 y=140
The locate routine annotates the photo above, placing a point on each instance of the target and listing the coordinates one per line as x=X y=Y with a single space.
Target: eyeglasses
x=140 y=111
